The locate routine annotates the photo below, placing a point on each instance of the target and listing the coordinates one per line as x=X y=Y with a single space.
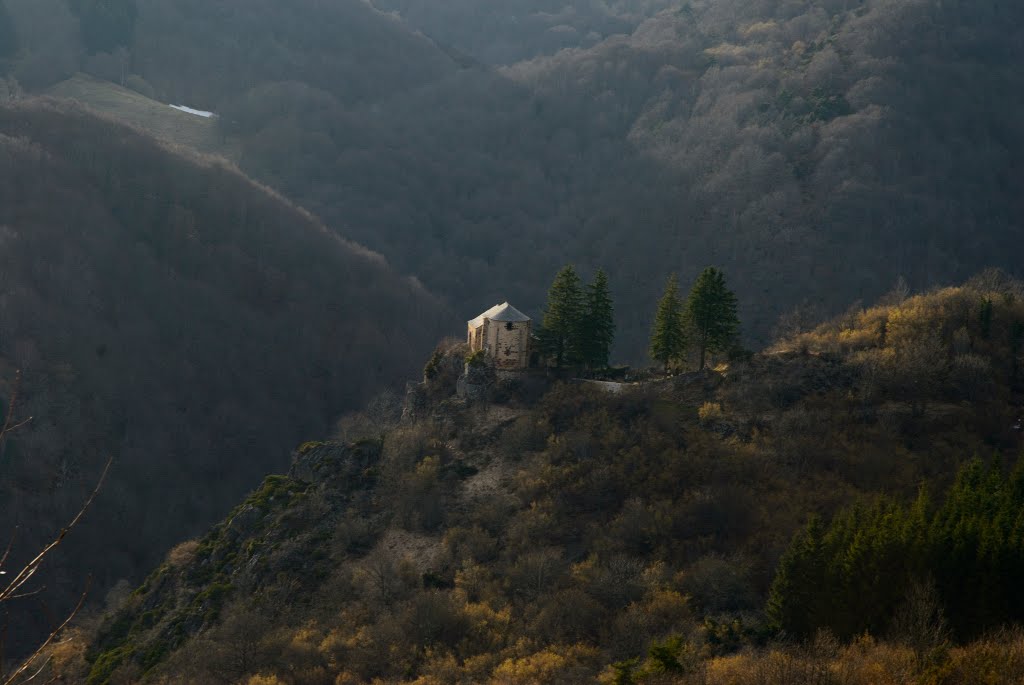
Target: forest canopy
x=168 y=312
x=791 y=144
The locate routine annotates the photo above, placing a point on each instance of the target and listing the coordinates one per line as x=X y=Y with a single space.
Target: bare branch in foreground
x=7 y=552
x=9 y=425
x=31 y=567
x=28 y=662
x=12 y=589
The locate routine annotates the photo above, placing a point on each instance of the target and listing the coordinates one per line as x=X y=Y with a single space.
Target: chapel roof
x=500 y=312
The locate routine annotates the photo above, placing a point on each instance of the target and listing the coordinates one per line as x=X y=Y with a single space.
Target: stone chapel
x=503 y=332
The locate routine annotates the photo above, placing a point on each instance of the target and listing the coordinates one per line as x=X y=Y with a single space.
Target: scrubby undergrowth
x=583 y=536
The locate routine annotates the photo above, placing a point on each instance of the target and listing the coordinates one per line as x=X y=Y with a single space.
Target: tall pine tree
x=597 y=330
x=668 y=339
x=563 y=317
x=711 y=313
x=795 y=603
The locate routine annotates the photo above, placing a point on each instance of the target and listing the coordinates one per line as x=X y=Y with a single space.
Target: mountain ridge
x=789 y=145
x=141 y=290
x=544 y=540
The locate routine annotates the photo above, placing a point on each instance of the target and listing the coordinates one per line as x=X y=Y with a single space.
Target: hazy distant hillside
x=202 y=51
x=198 y=52
x=507 y=32
x=793 y=144
x=170 y=313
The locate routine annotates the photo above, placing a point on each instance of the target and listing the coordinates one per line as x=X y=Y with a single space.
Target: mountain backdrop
x=176 y=311
x=169 y=313
x=793 y=144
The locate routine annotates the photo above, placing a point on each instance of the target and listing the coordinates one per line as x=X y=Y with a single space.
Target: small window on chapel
x=510 y=326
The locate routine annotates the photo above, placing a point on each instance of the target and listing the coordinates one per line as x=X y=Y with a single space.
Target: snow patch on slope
x=197 y=112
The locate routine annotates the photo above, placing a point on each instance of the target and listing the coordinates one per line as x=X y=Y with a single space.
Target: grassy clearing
x=157 y=118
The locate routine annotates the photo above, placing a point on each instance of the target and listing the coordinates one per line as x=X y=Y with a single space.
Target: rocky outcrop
x=279 y=529
x=476 y=380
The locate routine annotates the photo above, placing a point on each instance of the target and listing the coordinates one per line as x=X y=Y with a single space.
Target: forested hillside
x=167 y=312
x=639 y=537
x=511 y=31
x=832 y=142
x=201 y=52
x=792 y=144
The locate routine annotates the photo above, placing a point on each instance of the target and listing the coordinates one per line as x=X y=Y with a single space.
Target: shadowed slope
x=169 y=312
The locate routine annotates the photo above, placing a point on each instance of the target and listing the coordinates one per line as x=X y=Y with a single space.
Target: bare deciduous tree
x=16 y=586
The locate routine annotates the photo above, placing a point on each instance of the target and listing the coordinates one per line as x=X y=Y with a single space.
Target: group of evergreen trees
x=857 y=573
x=707 y=319
x=579 y=321
x=579 y=326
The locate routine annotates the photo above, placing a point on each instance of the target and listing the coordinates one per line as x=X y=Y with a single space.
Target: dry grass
x=183 y=554
x=996 y=660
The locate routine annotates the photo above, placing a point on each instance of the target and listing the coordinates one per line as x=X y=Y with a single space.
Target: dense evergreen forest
x=167 y=312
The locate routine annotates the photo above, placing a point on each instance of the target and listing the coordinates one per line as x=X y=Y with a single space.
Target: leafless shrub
x=920 y=623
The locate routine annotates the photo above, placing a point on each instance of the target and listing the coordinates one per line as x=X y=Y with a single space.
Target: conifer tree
x=711 y=312
x=859 y=573
x=668 y=339
x=795 y=596
x=597 y=330
x=563 y=316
